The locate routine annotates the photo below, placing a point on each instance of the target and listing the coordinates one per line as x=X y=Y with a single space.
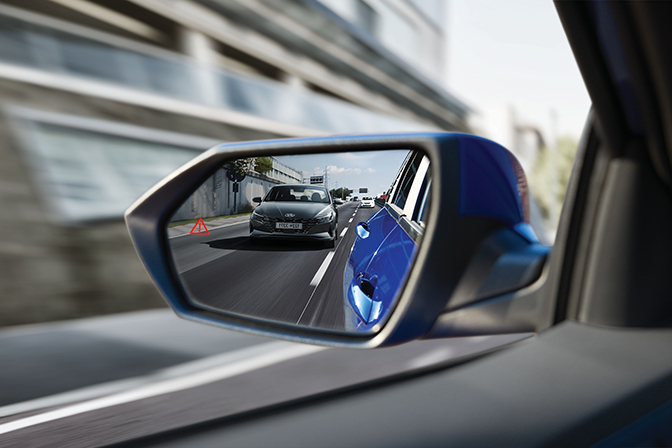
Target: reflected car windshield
x=297 y=193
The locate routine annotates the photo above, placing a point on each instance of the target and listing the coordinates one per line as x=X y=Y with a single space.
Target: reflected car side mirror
x=362 y=230
x=449 y=253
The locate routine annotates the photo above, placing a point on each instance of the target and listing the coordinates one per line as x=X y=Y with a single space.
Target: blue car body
x=491 y=183
x=376 y=267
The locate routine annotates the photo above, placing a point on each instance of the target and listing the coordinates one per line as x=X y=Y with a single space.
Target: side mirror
x=449 y=253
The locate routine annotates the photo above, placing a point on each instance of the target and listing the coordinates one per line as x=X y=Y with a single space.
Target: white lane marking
x=167 y=386
x=211 y=228
x=323 y=268
x=228 y=225
x=306 y=307
x=108 y=388
x=315 y=282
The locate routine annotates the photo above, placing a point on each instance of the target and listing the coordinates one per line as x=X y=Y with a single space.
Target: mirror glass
x=319 y=240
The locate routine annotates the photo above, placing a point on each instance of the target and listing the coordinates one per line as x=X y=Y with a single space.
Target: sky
x=374 y=170
x=513 y=55
x=503 y=57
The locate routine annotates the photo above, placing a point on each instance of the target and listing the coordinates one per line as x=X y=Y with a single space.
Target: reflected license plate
x=289 y=225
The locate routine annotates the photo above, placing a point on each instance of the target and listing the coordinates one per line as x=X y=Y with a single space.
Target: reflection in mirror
x=319 y=240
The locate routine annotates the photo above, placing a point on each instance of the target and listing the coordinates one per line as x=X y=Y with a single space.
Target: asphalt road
x=294 y=282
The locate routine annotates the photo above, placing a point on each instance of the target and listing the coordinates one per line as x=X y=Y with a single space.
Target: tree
x=240 y=165
x=540 y=178
x=263 y=164
x=339 y=192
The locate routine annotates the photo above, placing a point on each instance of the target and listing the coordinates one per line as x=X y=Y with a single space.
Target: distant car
x=295 y=211
x=367 y=201
x=383 y=251
x=355 y=198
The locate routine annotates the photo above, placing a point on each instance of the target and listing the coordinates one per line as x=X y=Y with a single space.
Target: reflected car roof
x=304 y=186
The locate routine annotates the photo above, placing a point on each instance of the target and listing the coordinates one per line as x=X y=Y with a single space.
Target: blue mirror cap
x=360 y=303
x=492 y=182
x=362 y=230
x=367 y=309
x=525 y=230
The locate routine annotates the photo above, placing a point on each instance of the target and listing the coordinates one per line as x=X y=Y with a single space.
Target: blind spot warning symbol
x=199 y=228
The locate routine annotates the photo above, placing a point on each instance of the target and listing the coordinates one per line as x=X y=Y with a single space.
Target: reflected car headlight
x=325 y=216
x=257 y=216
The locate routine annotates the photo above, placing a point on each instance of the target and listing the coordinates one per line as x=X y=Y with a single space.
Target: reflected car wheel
x=332 y=243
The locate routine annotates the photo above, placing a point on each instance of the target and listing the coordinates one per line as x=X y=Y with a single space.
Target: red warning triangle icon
x=199 y=228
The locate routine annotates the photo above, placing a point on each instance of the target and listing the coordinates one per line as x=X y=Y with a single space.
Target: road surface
x=295 y=282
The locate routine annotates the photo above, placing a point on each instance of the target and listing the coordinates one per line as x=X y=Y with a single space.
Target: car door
x=384 y=249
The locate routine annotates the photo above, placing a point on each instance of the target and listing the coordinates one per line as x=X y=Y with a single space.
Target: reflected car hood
x=301 y=210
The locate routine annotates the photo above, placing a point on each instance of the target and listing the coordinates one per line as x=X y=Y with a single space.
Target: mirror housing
x=362 y=230
x=478 y=221
x=257 y=200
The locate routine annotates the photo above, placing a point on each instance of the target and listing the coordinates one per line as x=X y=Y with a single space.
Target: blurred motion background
x=100 y=99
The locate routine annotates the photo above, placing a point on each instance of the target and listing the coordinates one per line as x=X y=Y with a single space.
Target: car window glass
x=297 y=193
x=422 y=210
x=415 y=193
x=404 y=186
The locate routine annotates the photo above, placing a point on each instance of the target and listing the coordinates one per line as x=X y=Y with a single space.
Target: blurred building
x=101 y=99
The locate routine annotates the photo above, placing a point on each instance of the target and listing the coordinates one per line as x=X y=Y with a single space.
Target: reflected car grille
x=307 y=224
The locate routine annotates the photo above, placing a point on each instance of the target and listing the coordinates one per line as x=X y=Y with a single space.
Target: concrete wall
x=216 y=198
